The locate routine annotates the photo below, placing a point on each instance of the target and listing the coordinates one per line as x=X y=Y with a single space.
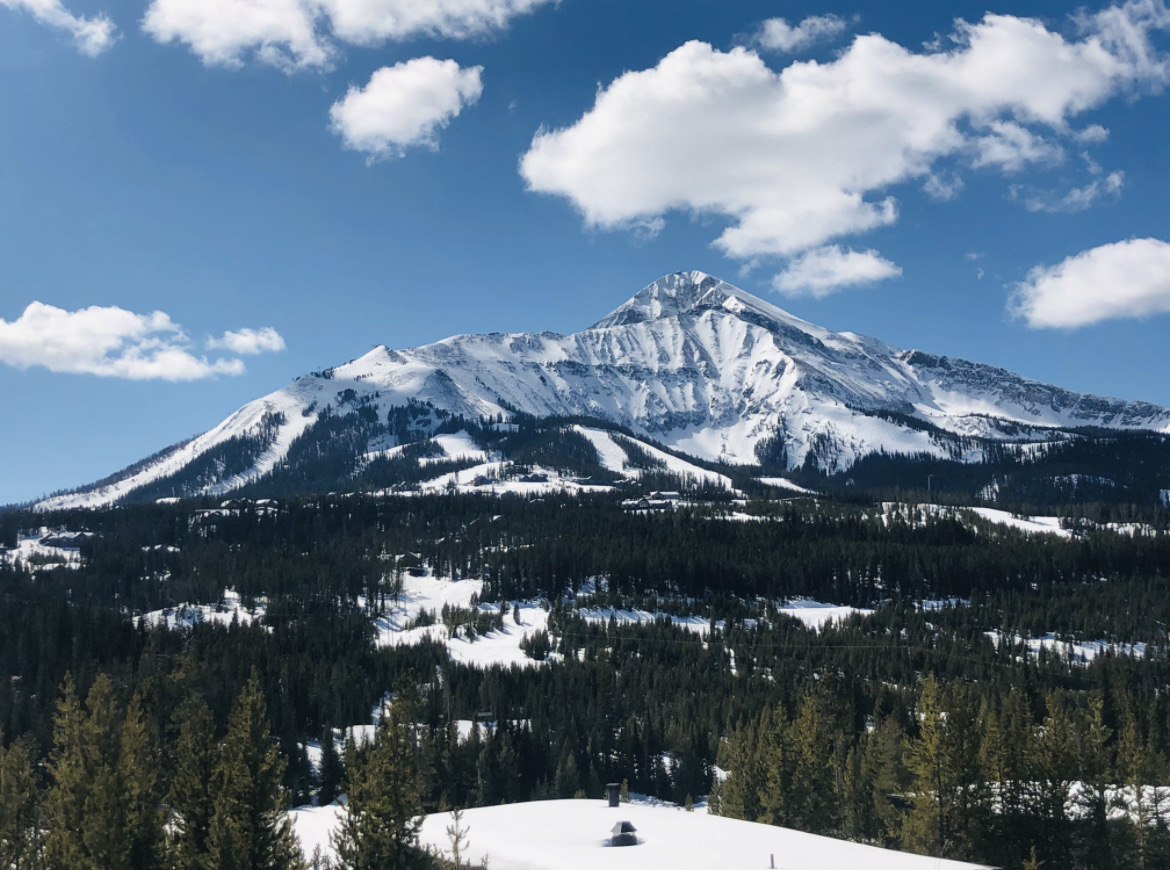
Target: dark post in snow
x=613 y=791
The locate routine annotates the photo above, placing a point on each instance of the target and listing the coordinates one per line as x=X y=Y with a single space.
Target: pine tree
x=138 y=785
x=566 y=779
x=880 y=767
x=19 y=808
x=810 y=796
x=248 y=830
x=1097 y=767
x=101 y=809
x=1133 y=761
x=383 y=813
x=331 y=769
x=770 y=766
x=457 y=834
x=1056 y=764
x=190 y=796
x=927 y=829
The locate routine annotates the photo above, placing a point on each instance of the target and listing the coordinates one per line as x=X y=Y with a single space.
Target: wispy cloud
x=91 y=35
x=826 y=270
x=1077 y=199
x=1120 y=280
x=248 y=341
x=776 y=34
x=404 y=106
x=113 y=342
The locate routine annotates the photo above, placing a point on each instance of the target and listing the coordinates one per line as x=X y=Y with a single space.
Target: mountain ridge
x=689 y=361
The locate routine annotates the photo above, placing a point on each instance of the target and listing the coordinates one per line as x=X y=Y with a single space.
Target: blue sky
x=289 y=192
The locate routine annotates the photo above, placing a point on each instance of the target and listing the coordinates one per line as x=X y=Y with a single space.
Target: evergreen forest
x=994 y=695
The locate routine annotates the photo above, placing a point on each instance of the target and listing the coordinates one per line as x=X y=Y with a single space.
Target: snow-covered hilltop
x=690 y=361
x=575 y=835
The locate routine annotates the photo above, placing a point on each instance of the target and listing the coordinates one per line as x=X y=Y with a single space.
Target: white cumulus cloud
x=799 y=158
x=776 y=34
x=825 y=270
x=111 y=342
x=404 y=105
x=1119 y=280
x=298 y=34
x=249 y=341
x=91 y=35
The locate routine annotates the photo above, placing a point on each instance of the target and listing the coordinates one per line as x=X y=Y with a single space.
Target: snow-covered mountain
x=690 y=362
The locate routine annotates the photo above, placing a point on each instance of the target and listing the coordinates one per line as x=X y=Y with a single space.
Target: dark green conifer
x=190 y=796
x=248 y=828
x=19 y=808
x=331 y=769
x=101 y=810
x=383 y=811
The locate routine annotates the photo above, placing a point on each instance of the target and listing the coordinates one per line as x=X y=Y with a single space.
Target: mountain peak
x=702 y=366
x=669 y=296
x=694 y=291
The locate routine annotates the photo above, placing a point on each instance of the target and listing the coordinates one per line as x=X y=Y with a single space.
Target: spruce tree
x=248 y=829
x=927 y=829
x=1134 y=764
x=1097 y=769
x=775 y=763
x=810 y=806
x=383 y=812
x=566 y=779
x=101 y=810
x=880 y=768
x=138 y=785
x=190 y=796
x=1057 y=765
x=19 y=809
x=331 y=769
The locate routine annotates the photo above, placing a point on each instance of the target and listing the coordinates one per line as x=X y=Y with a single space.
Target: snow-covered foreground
x=574 y=835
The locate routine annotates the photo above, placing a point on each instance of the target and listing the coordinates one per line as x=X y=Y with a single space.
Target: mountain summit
x=690 y=361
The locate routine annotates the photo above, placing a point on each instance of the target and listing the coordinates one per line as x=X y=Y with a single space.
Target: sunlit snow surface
x=228 y=609
x=817 y=614
x=1043 y=525
x=1076 y=652
x=784 y=483
x=430 y=594
x=34 y=553
x=614 y=457
x=574 y=835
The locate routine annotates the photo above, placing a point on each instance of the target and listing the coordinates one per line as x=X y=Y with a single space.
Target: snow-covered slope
x=574 y=835
x=690 y=361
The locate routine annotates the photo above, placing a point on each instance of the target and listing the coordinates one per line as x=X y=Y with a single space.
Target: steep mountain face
x=690 y=361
